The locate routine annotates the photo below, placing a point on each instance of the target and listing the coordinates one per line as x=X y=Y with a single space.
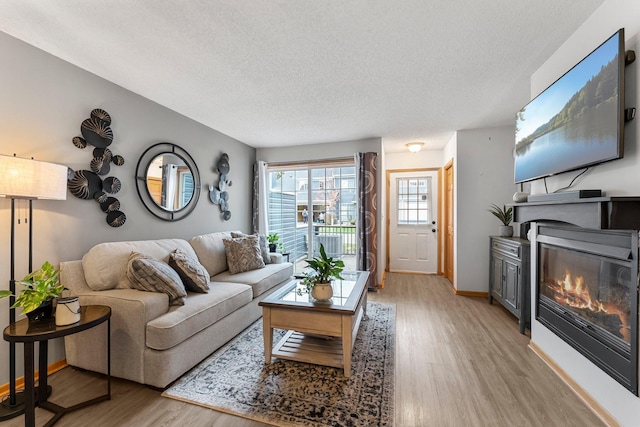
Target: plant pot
x=43 y=313
x=67 y=311
x=272 y=247
x=506 y=230
x=322 y=292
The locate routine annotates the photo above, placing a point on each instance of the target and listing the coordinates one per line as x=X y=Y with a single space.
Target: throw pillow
x=243 y=254
x=152 y=275
x=262 y=240
x=193 y=274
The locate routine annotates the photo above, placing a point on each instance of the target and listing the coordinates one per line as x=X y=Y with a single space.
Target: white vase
x=322 y=292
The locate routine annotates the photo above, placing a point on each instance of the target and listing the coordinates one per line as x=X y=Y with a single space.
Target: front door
x=413 y=222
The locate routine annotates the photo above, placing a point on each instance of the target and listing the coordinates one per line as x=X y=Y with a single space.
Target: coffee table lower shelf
x=319 y=350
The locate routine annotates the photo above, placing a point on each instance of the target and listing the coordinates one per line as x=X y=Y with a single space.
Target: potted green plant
x=41 y=287
x=273 y=238
x=505 y=215
x=322 y=270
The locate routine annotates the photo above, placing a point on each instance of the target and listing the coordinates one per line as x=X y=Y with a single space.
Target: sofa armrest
x=72 y=277
x=131 y=310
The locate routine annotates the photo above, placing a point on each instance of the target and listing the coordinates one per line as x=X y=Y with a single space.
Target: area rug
x=236 y=380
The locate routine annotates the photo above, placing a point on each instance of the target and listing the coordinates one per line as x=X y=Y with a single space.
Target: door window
x=414 y=201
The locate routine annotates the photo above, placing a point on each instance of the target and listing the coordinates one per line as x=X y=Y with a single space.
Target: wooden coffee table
x=322 y=333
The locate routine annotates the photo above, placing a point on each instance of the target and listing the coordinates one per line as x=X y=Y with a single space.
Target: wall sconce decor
x=168 y=181
x=414 y=147
x=220 y=195
x=24 y=179
x=88 y=184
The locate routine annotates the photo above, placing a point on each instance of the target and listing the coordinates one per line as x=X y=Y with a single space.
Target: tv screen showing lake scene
x=575 y=122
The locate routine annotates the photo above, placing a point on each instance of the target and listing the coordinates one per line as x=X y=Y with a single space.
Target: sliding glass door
x=313 y=205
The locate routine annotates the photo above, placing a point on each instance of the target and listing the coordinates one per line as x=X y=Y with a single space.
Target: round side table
x=41 y=332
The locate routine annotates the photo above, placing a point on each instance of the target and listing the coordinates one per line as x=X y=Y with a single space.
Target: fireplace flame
x=573 y=293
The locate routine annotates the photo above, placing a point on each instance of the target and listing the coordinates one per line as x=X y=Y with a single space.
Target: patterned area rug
x=235 y=380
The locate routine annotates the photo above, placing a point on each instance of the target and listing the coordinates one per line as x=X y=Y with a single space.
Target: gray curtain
x=367 y=254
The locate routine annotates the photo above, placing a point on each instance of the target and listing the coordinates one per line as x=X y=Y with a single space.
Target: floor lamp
x=25 y=179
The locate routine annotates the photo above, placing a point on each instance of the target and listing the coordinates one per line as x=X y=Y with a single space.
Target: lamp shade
x=31 y=179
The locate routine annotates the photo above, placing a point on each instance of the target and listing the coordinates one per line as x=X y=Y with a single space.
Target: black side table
x=28 y=333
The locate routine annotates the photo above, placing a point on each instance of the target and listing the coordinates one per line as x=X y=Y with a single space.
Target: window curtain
x=260 y=194
x=169 y=182
x=367 y=252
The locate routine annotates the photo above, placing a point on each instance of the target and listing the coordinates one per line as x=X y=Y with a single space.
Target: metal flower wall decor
x=220 y=195
x=89 y=184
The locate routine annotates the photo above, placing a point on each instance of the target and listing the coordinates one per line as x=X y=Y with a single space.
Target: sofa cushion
x=243 y=254
x=105 y=265
x=262 y=240
x=199 y=312
x=260 y=280
x=210 y=251
x=193 y=274
x=152 y=275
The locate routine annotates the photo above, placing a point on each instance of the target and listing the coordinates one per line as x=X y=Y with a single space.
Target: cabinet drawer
x=507 y=248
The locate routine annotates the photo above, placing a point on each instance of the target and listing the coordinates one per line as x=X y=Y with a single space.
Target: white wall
x=419 y=160
x=335 y=150
x=619 y=177
x=484 y=175
x=43 y=102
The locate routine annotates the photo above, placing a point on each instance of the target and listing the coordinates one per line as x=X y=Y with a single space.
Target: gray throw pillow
x=243 y=254
x=152 y=275
x=193 y=274
x=262 y=240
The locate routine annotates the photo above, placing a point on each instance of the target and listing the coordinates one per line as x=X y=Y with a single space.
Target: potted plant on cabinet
x=505 y=215
x=322 y=270
x=41 y=287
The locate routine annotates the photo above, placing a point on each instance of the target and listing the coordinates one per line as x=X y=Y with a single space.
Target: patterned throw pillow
x=193 y=274
x=243 y=254
x=152 y=275
x=262 y=240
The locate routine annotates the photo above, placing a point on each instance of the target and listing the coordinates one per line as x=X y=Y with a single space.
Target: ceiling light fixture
x=414 y=147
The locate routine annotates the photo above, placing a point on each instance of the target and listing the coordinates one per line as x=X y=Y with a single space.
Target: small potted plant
x=323 y=270
x=273 y=238
x=41 y=287
x=505 y=215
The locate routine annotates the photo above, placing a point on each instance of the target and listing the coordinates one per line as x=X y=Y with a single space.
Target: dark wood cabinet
x=509 y=272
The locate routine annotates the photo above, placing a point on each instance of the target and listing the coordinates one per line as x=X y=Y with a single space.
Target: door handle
x=433 y=229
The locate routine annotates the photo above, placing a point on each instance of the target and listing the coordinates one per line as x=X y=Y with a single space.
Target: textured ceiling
x=279 y=73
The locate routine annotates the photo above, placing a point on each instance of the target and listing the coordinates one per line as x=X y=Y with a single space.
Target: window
x=414 y=201
x=329 y=208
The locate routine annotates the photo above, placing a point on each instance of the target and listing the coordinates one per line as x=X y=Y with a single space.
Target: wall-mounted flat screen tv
x=576 y=122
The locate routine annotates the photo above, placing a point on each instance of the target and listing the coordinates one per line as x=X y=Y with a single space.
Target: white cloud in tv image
x=575 y=122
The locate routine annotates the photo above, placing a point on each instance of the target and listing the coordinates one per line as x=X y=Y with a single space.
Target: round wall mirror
x=168 y=181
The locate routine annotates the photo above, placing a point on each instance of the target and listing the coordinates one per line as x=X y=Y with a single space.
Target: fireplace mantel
x=600 y=213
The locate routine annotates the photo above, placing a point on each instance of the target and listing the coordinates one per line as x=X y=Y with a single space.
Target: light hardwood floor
x=459 y=362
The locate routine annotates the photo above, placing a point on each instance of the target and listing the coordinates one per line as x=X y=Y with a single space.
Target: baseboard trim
x=471 y=293
x=591 y=403
x=420 y=273
x=51 y=369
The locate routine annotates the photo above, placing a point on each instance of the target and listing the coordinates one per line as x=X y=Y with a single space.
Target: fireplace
x=587 y=293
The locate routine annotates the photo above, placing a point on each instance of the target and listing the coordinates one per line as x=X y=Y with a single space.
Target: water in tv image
x=574 y=122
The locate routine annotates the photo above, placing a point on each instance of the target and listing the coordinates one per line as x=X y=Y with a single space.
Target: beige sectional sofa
x=152 y=342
